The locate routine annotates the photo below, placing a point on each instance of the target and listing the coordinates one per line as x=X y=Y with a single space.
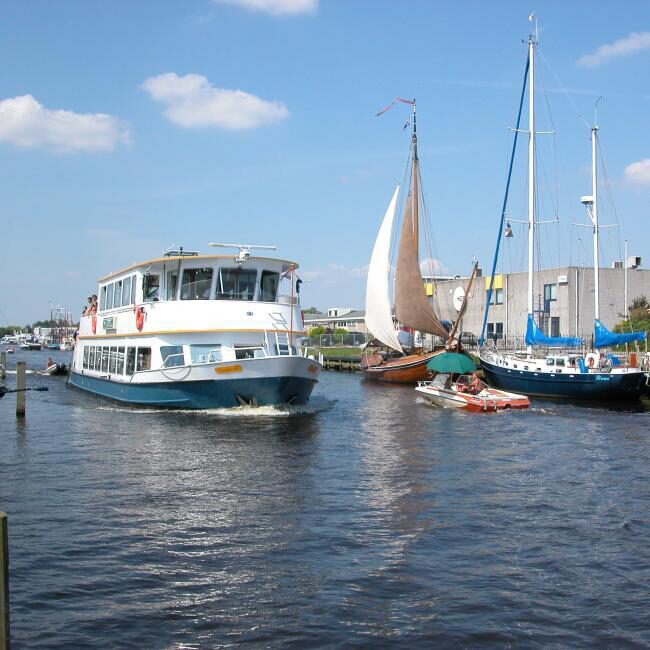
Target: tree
x=311 y=310
x=339 y=333
x=317 y=331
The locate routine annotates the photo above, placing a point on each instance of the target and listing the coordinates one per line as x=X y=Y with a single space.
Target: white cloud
x=274 y=7
x=633 y=43
x=334 y=274
x=431 y=266
x=192 y=102
x=638 y=172
x=27 y=123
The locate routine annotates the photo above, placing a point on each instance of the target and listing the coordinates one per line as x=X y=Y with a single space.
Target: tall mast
x=531 y=175
x=414 y=183
x=594 y=219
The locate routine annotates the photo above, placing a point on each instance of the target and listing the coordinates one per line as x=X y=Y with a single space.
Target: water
x=366 y=518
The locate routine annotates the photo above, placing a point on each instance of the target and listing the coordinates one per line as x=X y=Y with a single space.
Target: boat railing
x=179 y=355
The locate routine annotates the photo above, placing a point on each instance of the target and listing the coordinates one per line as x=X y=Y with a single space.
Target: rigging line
x=505 y=203
x=564 y=90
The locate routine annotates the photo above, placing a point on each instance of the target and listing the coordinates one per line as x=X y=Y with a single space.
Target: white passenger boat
x=198 y=331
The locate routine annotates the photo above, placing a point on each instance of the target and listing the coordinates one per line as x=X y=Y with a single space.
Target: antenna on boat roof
x=244 y=249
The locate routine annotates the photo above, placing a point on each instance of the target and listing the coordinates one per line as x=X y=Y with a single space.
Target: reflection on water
x=365 y=516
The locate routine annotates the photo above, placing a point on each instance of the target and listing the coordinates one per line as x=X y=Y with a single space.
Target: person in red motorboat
x=474 y=387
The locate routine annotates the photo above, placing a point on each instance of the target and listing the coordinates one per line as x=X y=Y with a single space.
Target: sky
x=130 y=127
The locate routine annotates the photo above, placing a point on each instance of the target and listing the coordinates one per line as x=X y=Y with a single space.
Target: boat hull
x=406 y=370
x=202 y=394
x=270 y=381
x=576 y=386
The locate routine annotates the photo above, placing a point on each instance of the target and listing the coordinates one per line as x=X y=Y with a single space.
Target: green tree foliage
x=339 y=334
x=317 y=331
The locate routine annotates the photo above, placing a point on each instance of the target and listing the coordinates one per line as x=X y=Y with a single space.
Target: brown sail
x=412 y=307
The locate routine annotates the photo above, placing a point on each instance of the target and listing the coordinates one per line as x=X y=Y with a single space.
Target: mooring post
x=4 y=583
x=21 y=368
x=3 y=365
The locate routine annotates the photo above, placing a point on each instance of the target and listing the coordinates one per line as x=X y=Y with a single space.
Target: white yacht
x=198 y=331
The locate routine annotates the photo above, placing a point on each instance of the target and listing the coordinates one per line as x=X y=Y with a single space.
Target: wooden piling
x=4 y=583
x=3 y=364
x=21 y=368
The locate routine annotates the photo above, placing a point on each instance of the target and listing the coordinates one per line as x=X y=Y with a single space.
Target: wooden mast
x=414 y=185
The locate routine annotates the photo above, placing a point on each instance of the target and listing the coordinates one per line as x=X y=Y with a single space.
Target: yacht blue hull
x=208 y=394
x=578 y=386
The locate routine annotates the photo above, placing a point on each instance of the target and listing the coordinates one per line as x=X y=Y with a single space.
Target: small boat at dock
x=446 y=392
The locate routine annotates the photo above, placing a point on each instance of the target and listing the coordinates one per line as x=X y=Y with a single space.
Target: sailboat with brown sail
x=412 y=307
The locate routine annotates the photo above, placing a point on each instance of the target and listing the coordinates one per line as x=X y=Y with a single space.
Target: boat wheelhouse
x=197 y=331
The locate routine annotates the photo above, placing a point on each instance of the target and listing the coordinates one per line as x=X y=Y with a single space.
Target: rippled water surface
x=366 y=518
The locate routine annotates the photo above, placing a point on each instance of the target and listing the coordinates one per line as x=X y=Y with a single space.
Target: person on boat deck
x=474 y=387
x=87 y=307
x=93 y=305
x=50 y=363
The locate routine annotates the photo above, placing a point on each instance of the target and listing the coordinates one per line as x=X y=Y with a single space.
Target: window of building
x=172 y=356
x=269 y=286
x=236 y=284
x=151 y=287
x=497 y=296
x=205 y=353
x=130 y=361
x=498 y=332
x=550 y=292
x=172 y=285
x=555 y=326
x=196 y=284
x=144 y=359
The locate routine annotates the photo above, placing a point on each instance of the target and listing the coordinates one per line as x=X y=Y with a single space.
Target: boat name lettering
x=601 y=378
x=226 y=369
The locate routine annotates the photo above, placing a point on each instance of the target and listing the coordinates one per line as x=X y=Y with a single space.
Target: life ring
x=93 y=324
x=139 y=318
x=591 y=359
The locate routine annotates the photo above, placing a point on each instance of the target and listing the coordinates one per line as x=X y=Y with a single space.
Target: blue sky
x=127 y=127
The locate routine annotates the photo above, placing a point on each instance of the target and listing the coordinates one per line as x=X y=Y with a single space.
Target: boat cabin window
x=102 y=298
x=151 y=287
x=109 y=296
x=248 y=350
x=236 y=284
x=196 y=284
x=550 y=361
x=269 y=286
x=120 y=361
x=126 y=291
x=559 y=362
x=144 y=359
x=117 y=298
x=112 y=364
x=205 y=352
x=172 y=356
x=172 y=285
x=130 y=361
x=104 y=367
x=98 y=359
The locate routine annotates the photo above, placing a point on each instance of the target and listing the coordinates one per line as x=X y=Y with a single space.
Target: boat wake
x=313 y=408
